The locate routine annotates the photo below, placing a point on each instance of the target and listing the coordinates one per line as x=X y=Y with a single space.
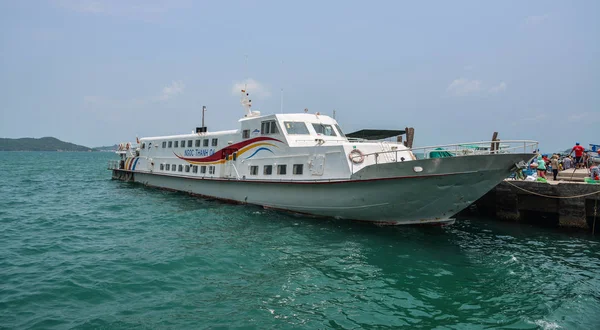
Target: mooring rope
x=595 y=211
x=548 y=196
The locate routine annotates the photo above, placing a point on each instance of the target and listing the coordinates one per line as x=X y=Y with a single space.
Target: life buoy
x=356 y=156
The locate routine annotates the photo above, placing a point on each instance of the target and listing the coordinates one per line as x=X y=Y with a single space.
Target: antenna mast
x=281 y=100
x=281 y=104
x=246 y=73
x=246 y=102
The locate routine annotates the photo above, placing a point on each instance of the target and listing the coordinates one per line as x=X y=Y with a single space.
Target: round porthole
x=418 y=169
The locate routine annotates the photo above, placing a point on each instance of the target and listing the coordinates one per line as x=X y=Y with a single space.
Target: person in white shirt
x=566 y=163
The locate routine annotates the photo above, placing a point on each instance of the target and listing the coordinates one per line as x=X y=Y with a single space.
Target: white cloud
x=84 y=6
x=168 y=92
x=172 y=90
x=584 y=117
x=253 y=87
x=538 y=117
x=579 y=116
x=140 y=9
x=530 y=118
x=464 y=86
x=91 y=100
x=537 y=19
x=497 y=89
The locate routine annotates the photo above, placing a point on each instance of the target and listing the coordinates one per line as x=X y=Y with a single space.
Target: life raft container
x=356 y=156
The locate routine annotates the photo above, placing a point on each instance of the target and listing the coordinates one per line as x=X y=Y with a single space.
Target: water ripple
x=82 y=251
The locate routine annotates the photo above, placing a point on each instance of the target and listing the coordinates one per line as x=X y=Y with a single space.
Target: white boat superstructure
x=304 y=163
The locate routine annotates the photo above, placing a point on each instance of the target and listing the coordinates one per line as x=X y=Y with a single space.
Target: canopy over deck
x=375 y=134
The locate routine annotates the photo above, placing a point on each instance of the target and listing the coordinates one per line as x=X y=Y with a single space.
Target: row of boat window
x=187 y=168
x=266 y=128
x=182 y=144
x=297 y=169
x=295 y=128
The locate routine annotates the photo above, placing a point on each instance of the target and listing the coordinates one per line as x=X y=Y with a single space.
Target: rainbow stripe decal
x=130 y=163
x=135 y=163
x=241 y=147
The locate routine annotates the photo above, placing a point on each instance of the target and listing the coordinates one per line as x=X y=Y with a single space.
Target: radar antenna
x=246 y=103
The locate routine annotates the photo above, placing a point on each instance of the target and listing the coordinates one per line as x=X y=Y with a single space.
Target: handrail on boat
x=458 y=150
x=486 y=144
x=113 y=165
x=481 y=148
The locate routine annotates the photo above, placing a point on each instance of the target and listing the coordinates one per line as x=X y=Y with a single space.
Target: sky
x=98 y=72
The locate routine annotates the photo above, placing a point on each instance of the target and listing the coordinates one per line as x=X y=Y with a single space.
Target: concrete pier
x=562 y=204
x=574 y=175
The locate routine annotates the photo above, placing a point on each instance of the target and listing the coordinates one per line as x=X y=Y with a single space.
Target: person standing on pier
x=554 y=163
x=578 y=154
x=567 y=163
x=541 y=167
x=587 y=160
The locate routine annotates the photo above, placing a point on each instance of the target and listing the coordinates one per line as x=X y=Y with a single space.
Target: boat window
x=180 y=168
x=144 y=145
x=182 y=143
x=187 y=168
x=245 y=134
x=162 y=167
x=340 y=130
x=202 y=169
x=170 y=144
x=215 y=142
x=197 y=143
x=164 y=144
x=324 y=129
x=176 y=144
x=205 y=143
x=297 y=169
x=173 y=167
x=194 y=169
x=281 y=169
x=268 y=127
x=189 y=143
x=211 y=170
x=268 y=170
x=296 y=127
x=253 y=170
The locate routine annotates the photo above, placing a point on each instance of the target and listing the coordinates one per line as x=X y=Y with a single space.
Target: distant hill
x=42 y=144
x=107 y=148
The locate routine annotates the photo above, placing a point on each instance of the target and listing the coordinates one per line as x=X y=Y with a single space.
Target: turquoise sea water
x=78 y=250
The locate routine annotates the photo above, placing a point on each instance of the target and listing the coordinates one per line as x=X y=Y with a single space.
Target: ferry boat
x=303 y=163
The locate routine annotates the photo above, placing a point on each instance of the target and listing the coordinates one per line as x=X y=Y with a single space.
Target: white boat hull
x=392 y=193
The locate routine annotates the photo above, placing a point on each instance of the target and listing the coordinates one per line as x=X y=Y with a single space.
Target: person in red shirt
x=578 y=154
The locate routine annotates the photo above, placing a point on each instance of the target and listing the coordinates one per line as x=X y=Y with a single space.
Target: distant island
x=107 y=148
x=41 y=144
